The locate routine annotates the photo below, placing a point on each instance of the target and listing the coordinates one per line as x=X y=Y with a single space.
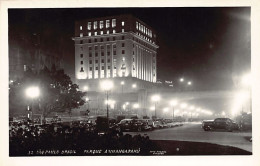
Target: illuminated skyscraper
x=117 y=47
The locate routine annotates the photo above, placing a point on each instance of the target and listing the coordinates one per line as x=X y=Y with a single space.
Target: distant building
x=122 y=48
x=25 y=54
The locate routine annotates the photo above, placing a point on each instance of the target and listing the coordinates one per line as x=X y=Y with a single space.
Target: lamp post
x=32 y=92
x=173 y=104
x=122 y=85
x=155 y=99
x=136 y=106
x=165 y=110
x=107 y=86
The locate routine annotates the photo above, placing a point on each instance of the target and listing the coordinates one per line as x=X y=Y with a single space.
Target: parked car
x=219 y=123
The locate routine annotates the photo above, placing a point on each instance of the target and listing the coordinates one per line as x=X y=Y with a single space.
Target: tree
x=57 y=92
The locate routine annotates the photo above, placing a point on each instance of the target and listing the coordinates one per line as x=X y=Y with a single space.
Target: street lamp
x=85 y=88
x=32 y=92
x=122 y=84
x=181 y=79
x=173 y=103
x=134 y=86
x=165 y=110
x=155 y=99
x=136 y=106
x=189 y=83
x=107 y=85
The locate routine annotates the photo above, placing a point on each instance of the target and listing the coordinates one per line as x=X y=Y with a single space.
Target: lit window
x=139 y=27
x=96 y=74
x=101 y=32
x=90 y=76
x=114 y=31
x=102 y=74
x=107 y=23
x=136 y=25
x=123 y=23
x=95 y=25
x=108 y=74
x=114 y=73
x=123 y=30
x=80 y=27
x=113 y=23
x=24 y=67
x=95 y=33
x=89 y=34
x=89 y=25
x=107 y=31
x=81 y=34
x=101 y=25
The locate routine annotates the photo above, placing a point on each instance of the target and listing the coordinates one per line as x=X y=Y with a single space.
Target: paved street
x=194 y=132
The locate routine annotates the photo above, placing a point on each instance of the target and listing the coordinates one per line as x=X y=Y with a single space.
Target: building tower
x=116 y=47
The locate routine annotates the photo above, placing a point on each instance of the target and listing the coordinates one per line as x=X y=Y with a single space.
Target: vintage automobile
x=219 y=123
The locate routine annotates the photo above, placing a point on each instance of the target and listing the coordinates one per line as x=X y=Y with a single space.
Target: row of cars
x=144 y=124
x=135 y=124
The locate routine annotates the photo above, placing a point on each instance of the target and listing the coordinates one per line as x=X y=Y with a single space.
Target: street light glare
x=156 y=98
x=32 y=92
x=107 y=85
x=181 y=79
x=174 y=102
x=85 y=88
x=134 y=85
x=136 y=105
x=247 y=80
x=183 y=105
x=87 y=99
x=166 y=109
x=122 y=83
x=189 y=83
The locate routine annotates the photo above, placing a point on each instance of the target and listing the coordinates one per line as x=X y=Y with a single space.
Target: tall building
x=120 y=47
x=25 y=53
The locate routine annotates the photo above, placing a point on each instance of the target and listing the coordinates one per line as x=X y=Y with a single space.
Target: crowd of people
x=25 y=138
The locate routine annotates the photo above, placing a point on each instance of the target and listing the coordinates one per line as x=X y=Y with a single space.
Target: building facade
x=25 y=54
x=115 y=47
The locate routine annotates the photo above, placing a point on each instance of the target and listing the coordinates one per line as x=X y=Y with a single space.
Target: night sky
x=209 y=46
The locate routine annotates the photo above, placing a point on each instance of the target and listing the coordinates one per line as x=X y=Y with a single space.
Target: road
x=193 y=132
